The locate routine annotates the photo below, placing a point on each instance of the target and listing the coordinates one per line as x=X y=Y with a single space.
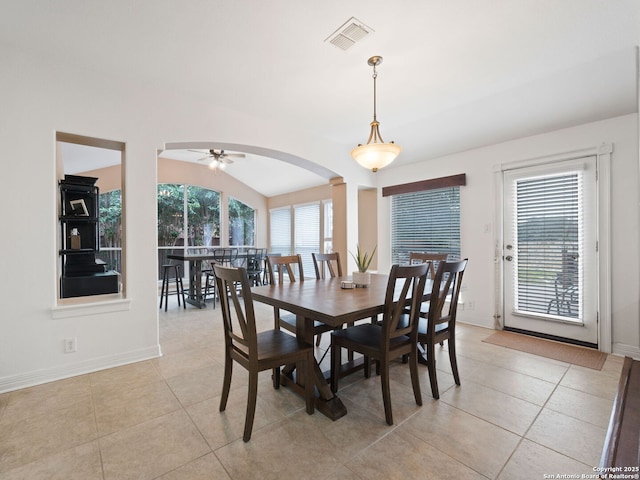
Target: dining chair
x=439 y=323
x=434 y=260
x=253 y=264
x=255 y=351
x=395 y=336
x=325 y=264
x=278 y=265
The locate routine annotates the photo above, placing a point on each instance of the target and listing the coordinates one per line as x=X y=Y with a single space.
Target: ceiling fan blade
x=225 y=159
x=234 y=155
x=203 y=158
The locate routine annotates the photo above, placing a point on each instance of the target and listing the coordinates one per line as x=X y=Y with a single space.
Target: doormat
x=583 y=356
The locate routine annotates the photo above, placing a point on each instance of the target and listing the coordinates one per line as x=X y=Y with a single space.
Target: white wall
x=40 y=97
x=478 y=209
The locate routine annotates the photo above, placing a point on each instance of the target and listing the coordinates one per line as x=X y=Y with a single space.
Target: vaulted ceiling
x=456 y=75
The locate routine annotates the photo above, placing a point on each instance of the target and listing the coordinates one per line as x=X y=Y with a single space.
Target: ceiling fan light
x=376 y=155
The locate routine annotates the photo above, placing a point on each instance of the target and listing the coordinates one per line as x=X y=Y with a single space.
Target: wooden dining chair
x=439 y=323
x=327 y=264
x=434 y=260
x=255 y=351
x=395 y=336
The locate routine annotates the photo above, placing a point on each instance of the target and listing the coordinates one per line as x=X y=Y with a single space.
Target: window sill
x=85 y=306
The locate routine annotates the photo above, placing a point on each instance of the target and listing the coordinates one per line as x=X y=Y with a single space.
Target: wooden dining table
x=324 y=300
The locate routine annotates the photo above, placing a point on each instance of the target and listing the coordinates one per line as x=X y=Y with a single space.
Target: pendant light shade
x=376 y=153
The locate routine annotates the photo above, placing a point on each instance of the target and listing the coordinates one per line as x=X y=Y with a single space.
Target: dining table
x=195 y=294
x=326 y=301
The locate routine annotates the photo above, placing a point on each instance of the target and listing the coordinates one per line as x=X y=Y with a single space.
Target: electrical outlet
x=471 y=304
x=70 y=345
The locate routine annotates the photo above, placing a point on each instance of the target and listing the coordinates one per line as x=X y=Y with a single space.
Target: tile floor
x=516 y=416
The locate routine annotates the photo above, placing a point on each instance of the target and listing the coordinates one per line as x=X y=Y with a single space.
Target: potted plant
x=363 y=260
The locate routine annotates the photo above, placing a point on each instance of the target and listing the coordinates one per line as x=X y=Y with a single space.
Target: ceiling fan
x=218 y=158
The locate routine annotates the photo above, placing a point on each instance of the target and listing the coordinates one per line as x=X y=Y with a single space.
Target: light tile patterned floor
x=516 y=416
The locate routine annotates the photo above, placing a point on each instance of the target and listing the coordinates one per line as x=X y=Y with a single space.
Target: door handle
x=508 y=258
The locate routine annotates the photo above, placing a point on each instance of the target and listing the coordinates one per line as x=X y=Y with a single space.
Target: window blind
x=549 y=238
x=307 y=234
x=280 y=231
x=426 y=221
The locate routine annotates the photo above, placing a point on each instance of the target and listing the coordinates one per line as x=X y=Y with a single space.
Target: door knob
x=508 y=258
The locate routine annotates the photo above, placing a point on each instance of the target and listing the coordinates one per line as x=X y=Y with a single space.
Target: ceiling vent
x=352 y=31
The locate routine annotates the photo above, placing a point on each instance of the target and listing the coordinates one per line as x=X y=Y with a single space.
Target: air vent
x=350 y=32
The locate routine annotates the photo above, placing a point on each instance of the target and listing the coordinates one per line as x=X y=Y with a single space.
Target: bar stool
x=167 y=269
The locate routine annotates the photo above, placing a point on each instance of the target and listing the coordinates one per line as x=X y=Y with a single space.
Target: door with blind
x=550 y=250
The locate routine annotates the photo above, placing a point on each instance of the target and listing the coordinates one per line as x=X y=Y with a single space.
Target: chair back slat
x=282 y=263
x=327 y=262
x=238 y=315
x=446 y=288
x=396 y=321
x=433 y=258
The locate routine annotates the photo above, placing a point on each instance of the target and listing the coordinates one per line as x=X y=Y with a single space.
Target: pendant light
x=375 y=154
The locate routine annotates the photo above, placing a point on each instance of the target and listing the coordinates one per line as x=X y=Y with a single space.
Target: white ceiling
x=457 y=74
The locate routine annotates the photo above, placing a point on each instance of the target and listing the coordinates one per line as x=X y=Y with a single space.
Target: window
x=307 y=234
x=425 y=221
x=302 y=229
x=280 y=231
x=242 y=224
x=111 y=229
x=549 y=226
x=191 y=209
x=327 y=221
x=203 y=216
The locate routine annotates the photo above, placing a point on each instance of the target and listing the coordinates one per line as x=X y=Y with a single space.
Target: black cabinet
x=82 y=273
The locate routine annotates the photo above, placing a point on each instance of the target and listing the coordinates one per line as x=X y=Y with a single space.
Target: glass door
x=550 y=250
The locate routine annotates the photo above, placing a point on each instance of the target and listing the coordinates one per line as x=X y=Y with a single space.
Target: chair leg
x=251 y=405
x=164 y=281
x=181 y=291
x=350 y=352
x=318 y=338
x=451 y=343
x=431 y=366
x=367 y=366
x=386 y=391
x=177 y=281
x=226 y=384
x=275 y=377
x=415 y=380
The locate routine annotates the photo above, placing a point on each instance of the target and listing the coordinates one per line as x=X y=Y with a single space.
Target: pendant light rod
x=376 y=153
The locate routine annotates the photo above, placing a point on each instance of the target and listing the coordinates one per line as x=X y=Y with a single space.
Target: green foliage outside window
x=242 y=223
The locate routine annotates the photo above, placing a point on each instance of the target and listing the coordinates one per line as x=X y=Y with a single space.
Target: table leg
x=327 y=402
x=195 y=284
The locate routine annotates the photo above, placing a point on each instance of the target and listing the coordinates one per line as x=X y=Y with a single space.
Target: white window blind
x=549 y=237
x=425 y=221
x=307 y=234
x=328 y=226
x=280 y=231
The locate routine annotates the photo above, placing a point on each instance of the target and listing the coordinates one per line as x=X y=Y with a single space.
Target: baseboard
x=8 y=384
x=626 y=350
